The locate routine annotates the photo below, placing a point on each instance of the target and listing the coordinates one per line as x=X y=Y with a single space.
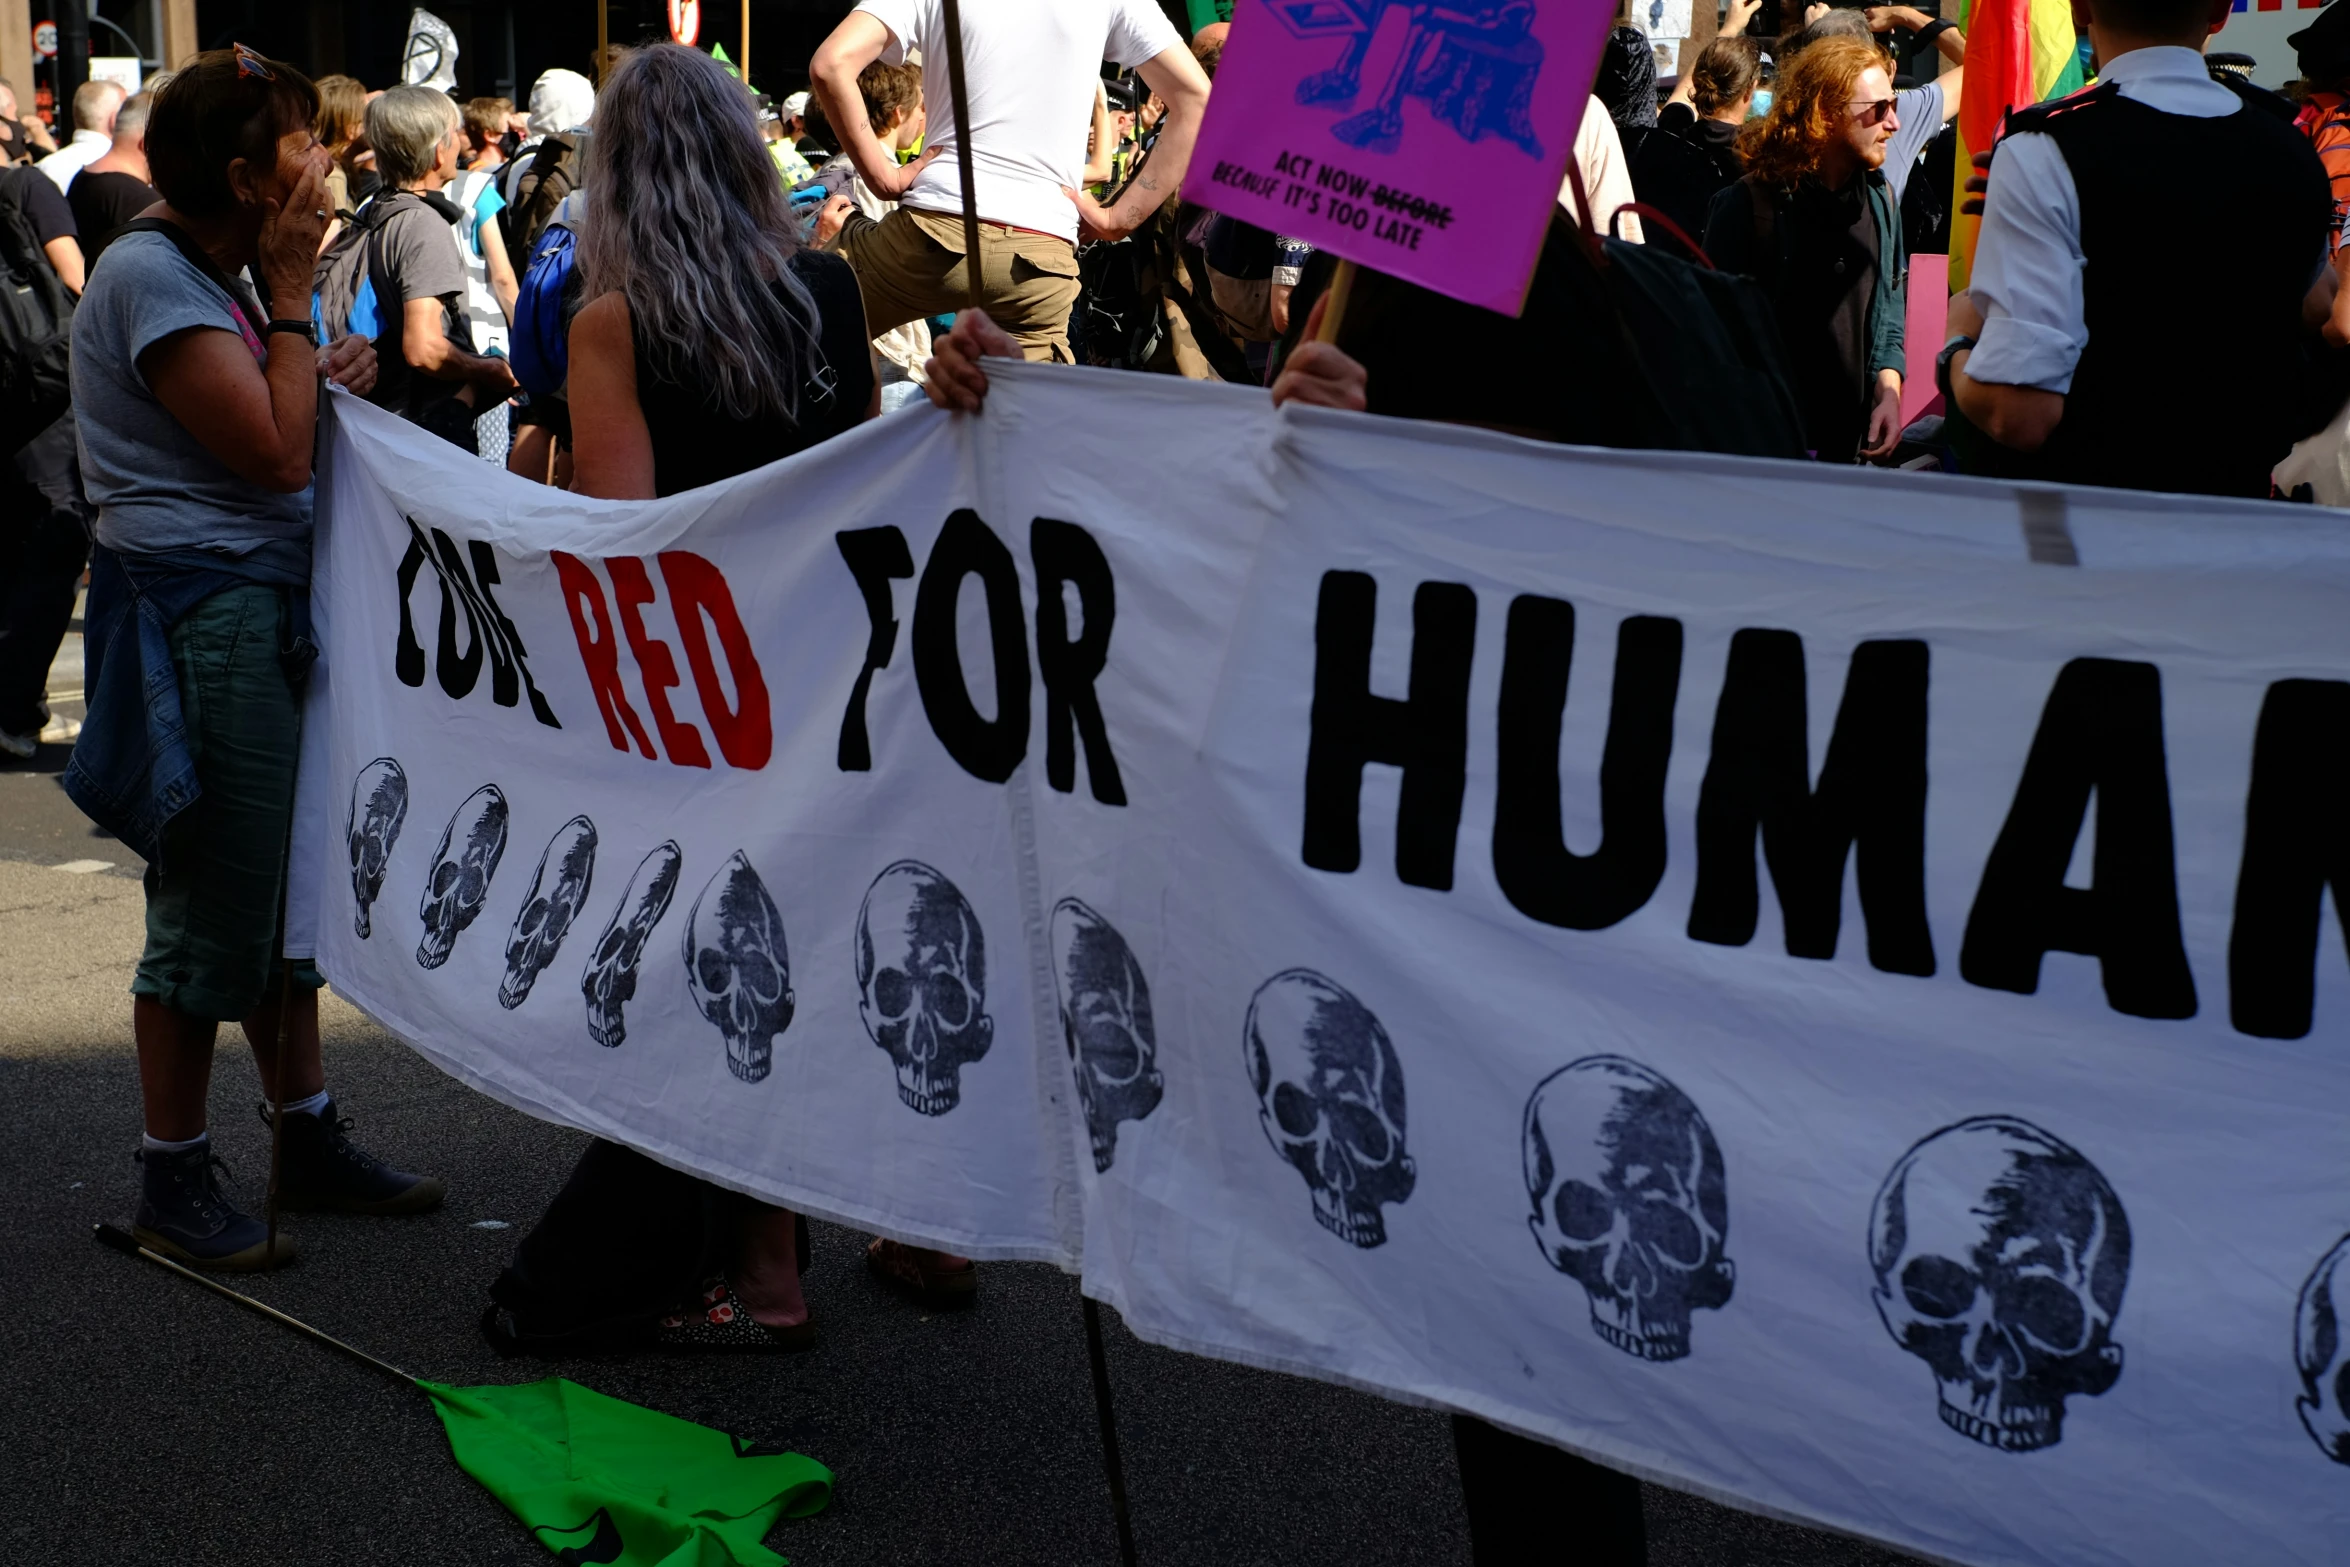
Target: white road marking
x=83 y=867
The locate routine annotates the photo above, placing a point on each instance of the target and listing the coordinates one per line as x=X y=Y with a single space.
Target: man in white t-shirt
x=1030 y=69
x=95 y=103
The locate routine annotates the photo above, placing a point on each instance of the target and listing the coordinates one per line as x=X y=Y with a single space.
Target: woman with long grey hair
x=711 y=342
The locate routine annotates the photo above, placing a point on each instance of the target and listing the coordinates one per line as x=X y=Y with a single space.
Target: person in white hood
x=560 y=101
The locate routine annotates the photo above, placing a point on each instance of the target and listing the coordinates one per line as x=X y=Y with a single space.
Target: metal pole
x=746 y=59
x=108 y=1235
x=1112 y=1466
x=961 y=99
x=73 y=60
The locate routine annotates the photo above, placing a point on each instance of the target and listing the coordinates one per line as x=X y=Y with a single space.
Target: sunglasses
x=251 y=64
x=1872 y=110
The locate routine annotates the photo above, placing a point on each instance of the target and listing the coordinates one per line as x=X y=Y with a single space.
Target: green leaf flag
x=600 y=1480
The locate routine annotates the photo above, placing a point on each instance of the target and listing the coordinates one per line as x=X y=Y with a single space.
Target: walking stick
x=960 y=98
x=1112 y=1467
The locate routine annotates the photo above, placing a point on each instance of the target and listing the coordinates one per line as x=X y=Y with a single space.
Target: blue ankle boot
x=183 y=1215
x=322 y=1170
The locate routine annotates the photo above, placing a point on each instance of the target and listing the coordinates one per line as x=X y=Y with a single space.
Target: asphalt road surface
x=142 y=1420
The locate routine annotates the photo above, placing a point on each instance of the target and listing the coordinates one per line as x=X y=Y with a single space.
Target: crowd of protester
x=637 y=286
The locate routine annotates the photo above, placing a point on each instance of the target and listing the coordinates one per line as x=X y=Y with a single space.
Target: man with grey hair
x=423 y=372
x=95 y=105
x=115 y=189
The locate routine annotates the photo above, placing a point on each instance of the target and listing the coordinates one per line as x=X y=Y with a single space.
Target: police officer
x=2150 y=276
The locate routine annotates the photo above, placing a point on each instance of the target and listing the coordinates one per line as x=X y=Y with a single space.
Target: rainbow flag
x=2017 y=52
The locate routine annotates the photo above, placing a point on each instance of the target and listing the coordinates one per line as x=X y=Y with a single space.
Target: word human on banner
x=1426 y=141
x=1830 y=1014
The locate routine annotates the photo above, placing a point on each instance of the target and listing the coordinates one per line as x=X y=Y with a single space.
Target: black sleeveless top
x=695 y=442
x=2200 y=236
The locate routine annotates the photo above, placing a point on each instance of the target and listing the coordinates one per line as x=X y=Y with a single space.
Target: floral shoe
x=717 y=1322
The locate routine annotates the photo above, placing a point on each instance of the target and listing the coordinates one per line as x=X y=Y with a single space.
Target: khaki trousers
x=911 y=264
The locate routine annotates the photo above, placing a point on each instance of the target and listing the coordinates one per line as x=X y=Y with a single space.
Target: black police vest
x=2201 y=238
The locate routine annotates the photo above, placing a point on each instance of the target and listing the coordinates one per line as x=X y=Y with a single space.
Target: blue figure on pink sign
x=1474 y=64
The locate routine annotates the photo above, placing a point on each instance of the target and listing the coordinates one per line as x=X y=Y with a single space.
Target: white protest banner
x=1810 y=985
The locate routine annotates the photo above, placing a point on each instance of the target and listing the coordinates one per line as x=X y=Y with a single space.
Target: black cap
x=1124 y=95
x=2324 y=45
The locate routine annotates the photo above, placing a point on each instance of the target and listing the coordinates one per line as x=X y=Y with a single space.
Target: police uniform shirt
x=2027 y=276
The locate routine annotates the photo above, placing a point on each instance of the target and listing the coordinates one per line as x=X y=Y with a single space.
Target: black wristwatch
x=1950 y=350
x=305 y=326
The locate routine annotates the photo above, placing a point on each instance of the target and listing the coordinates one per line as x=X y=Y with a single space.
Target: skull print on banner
x=609 y=981
x=2321 y=1350
x=922 y=978
x=1330 y=1098
x=738 y=967
x=462 y=865
x=1630 y=1200
x=379 y=807
x=548 y=908
x=2001 y=1256
x=1106 y=1020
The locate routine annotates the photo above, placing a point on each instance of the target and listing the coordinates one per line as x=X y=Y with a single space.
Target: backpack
x=347 y=298
x=543 y=307
x=558 y=168
x=1709 y=344
x=36 y=326
x=1118 y=304
x=1705 y=342
x=342 y=284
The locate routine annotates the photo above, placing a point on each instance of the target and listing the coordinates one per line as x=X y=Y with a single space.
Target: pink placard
x=1923 y=329
x=1426 y=141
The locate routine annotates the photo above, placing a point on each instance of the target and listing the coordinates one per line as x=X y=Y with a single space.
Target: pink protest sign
x=1423 y=140
x=1926 y=322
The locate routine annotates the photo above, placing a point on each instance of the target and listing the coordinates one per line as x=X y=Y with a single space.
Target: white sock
x=310 y=1106
x=158 y=1145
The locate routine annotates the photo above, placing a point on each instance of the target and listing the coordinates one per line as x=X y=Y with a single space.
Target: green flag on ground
x=601 y=1480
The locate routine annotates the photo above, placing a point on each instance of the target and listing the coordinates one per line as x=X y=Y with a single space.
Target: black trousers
x=44 y=545
x=627 y=1240
x=1530 y=1503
